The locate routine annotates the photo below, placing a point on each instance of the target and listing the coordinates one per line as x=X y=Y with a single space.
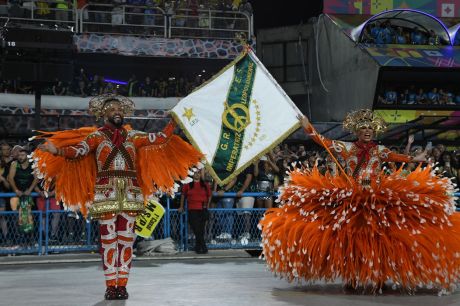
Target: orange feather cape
x=402 y=229
x=158 y=167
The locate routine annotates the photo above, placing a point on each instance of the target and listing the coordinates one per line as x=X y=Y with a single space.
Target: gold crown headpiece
x=364 y=117
x=98 y=105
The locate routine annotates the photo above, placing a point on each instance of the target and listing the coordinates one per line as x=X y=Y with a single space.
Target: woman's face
x=436 y=153
x=196 y=176
x=446 y=158
x=365 y=134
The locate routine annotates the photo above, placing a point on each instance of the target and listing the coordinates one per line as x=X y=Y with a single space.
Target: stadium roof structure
x=407 y=18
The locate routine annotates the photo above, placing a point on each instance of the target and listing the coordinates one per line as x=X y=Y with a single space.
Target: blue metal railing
x=57 y=231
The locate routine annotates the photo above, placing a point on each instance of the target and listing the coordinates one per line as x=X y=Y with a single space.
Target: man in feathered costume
x=362 y=225
x=112 y=171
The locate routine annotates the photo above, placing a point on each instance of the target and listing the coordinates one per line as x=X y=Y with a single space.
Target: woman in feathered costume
x=364 y=226
x=111 y=171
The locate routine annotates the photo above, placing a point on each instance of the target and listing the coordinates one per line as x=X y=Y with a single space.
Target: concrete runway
x=214 y=282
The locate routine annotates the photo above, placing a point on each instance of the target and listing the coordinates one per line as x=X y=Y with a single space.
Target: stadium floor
x=189 y=282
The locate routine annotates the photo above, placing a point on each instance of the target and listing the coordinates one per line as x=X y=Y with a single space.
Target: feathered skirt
x=402 y=228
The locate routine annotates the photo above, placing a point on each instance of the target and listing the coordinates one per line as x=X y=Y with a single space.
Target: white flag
x=237 y=116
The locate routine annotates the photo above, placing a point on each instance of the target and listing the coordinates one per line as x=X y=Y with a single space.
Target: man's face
x=365 y=134
x=22 y=157
x=6 y=150
x=114 y=114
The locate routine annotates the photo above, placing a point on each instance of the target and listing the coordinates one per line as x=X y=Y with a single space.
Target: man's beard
x=116 y=124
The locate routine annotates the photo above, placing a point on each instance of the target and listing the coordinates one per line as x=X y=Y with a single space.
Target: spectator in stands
x=21 y=179
x=448 y=97
x=46 y=202
x=96 y=86
x=448 y=167
x=5 y=157
x=436 y=155
x=417 y=37
x=433 y=39
x=375 y=30
x=400 y=36
x=117 y=15
x=82 y=9
x=420 y=98
x=391 y=97
x=457 y=98
x=411 y=96
x=169 y=12
x=181 y=87
x=433 y=96
x=147 y=88
x=133 y=86
x=192 y=20
x=198 y=196
x=149 y=15
x=134 y=11
x=110 y=88
x=300 y=152
x=62 y=10
x=171 y=89
x=441 y=148
x=366 y=36
x=244 y=182
x=59 y=89
x=265 y=171
x=43 y=10
x=82 y=81
x=387 y=33
x=442 y=97
x=4 y=187
x=162 y=85
x=181 y=7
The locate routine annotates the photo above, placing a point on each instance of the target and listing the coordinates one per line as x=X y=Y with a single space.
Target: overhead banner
x=236 y=117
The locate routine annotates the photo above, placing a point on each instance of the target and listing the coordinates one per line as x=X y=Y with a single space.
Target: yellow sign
x=149 y=219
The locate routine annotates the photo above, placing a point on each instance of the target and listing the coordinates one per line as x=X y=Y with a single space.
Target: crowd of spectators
x=84 y=85
x=413 y=95
x=386 y=33
x=107 y=16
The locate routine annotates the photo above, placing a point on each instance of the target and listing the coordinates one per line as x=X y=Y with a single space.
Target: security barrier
x=58 y=231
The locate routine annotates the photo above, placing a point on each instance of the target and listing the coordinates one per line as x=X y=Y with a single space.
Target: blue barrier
x=57 y=231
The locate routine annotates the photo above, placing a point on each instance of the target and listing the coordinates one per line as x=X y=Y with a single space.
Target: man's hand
x=239 y=194
x=180 y=209
x=19 y=193
x=303 y=120
x=48 y=147
x=410 y=140
x=27 y=193
x=420 y=157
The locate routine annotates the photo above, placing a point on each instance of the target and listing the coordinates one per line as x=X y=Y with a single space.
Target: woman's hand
x=303 y=120
x=48 y=147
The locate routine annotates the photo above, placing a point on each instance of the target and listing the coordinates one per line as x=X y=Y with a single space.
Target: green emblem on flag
x=235 y=118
